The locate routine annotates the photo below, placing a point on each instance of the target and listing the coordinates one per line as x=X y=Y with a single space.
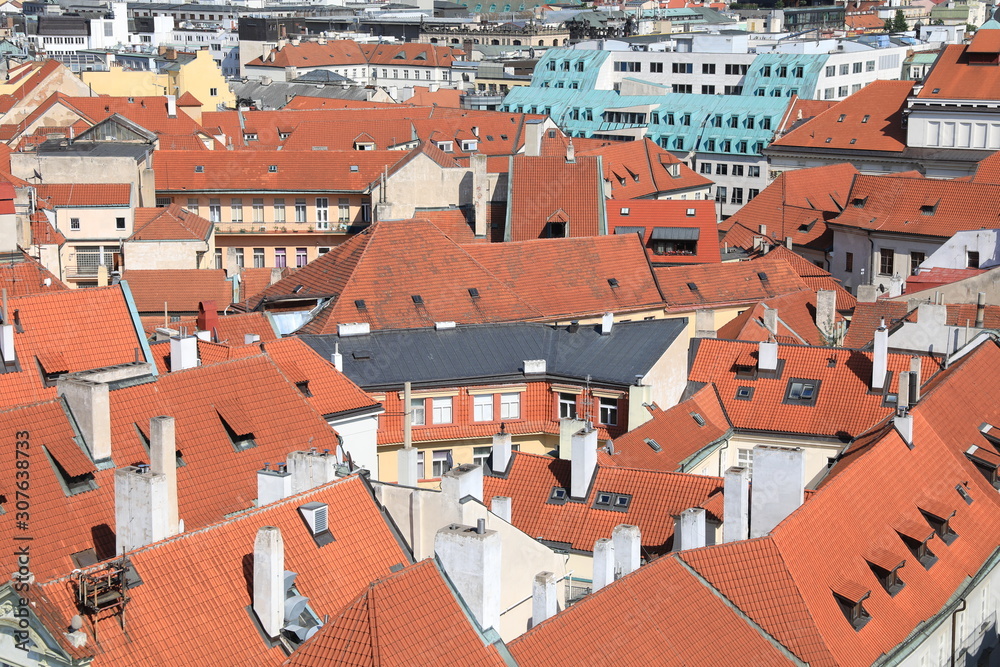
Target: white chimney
x=203 y=335
x=171 y=106
x=533 y=138
x=771 y=320
x=826 y=315
x=779 y=482
x=501 y=507
x=480 y=194
x=353 y=329
x=140 y=508
x=914 y=380
x=163 y=460
x=311 y=469
x=273 y=484
x=980 y=310
x=604 y=563
x=543 y=597
x=183 y=353
x=337 y=359
x=704 y=323
x=90 y=404
x=461 y=481
x=767 y=356
x=903 y=391
x=880 y=357
x=904 y=425
x=567 y=427
x=627 y=541
x=607 y=321
x=690 y=532
x=570 y=151
x=269 y=580
x=583 y=462
x=471 y=557
x=763 y=230
x=534 y=366
x=7 y=343
x=250 y=339
x=736 y=505
x=406 y=461
x=500 y=458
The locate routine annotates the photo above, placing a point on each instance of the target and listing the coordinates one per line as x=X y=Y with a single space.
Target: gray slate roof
x=494 y=352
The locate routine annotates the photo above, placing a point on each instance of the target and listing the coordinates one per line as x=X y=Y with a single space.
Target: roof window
x=854 y=610
x=354 y=168
x=744 y=393
x=604 y=498
x=928 y=209
x=625 y=211
x=360 y=304
x=239 y=432
x=653 y=444
x=698 y=418
x=362 y=354
x=865 y=119
x=859 y=202
x=829 y=139
x=762 y=276
x=842 y=117
x=936 y=91
x=272 y=168
x=613 y=282
x=941 y=526
x=557 y=496
x=473 y=292
x=690 y=212
x=417 y=299
x=199 y=169
x=854 y=141
x=965 y=494
x=693 y=287
x=802 y=391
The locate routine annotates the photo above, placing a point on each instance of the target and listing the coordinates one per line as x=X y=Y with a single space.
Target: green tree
x=887 y=26
x=899 y=22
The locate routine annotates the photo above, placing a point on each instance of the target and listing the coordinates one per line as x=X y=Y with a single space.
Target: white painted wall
x=953 y=254
x=360 y=435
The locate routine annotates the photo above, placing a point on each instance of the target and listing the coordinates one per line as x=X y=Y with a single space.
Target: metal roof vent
x=316 y=515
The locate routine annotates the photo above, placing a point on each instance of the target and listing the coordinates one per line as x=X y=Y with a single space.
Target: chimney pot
x=533 y=138
x=250 y=339
x=273 y=485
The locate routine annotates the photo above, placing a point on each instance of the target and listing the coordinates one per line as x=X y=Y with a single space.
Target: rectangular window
x=706 y=167
x=972 y=259
x=682 y=68
x=849 y=262
x=656 y=68
x=708 y=90
x=737 y=197
x=192 y=205
x=482 y=408
x=682 y=88
x=842 y=91
x=300 y=210
x=916 y=259
x=828 y=94
x=417 y=412
x=481 y=455
x=236 y=210
x=213 y=92
x=870 y=66
x=120 y=224
x=857 y=67
x=845 y=69
x=215 y=210
x=720 y=194
x=218 y=258
x=753 y=171
x=737 y=170
x=322 y=213
x=343 y=210
x=721 y=169
x=258 y=210
x=708 y=68
x=751 y=193
x=567 y=406
x=885 y=261
x=441 y=462
x=301 y=257
x=510 y=406
x=74 y=224
x=744 y=459
x=609 y=410
x=239 y=257
x=441 y=410
x=279 y=210
x=831 y=70
x=279 y=258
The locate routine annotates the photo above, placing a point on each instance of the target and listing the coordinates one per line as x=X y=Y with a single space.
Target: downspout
x=957 y=609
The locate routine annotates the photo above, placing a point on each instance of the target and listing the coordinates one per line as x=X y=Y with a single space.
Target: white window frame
x=322 y=213
x=482 y=408
x=418 y=411
x=300 y=210
x=279 y=210
x=258 y=258
x=441 y=409
x=609 y=410
x=441 y=462
x=567 y=401
x=510 y=406
x=744 y=459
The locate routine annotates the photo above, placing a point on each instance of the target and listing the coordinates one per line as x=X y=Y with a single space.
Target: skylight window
x=744 y=393
x=613 y=282
x=625 y=211
x=690 y=212
x=360 y=304
x=865 y=119
x=354 y=168
x=473 y=292
x=604 y=499
x=622 y=502
x=272 y=168
x=199 y=169
x=417 y=299
x=557 y=496
x=653 y=444
x=698 y=418
x=801 y=391
x=842 y=117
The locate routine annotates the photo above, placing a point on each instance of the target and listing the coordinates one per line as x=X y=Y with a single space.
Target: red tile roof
x=872 y=121
x=964 y=73
x=796 y=321
x=339 y=52
x=171 y=223
x=178 y=290
x=798 y=204
x=337 y=135
x=703 y=630
x=868 y=316
x=452 y=222
x=550 y=190
x=988 y=170
x=72 y=195
x=686 y=287
x=929 y=279
x=921 y=206
x=230 y=329
x=410 y=617
x=42 y=231
x=655 y=497
x=843 y=404
x=676 y=432
x=638 y=169
x=26 y=276
x=164 y=618
x=443 y=97
x=651 y=214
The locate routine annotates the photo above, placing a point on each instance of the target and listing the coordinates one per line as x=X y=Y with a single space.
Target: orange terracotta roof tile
x=930 y=279
x=654 y=495
x=73 y=195
x=637 y=169
x=963 y=72
x=25 y=276
x=164 y=618
x=704 y=630
x=329 y=391
x=868 y=316
x=168 y=224
x=42 y=231
x=535 y=205
x=452 y=222
x=685 y=287
x=179 y=289
x=410 y=617
x=668 y=216
x=442 y=97
x=796 y=320
x=868 y=120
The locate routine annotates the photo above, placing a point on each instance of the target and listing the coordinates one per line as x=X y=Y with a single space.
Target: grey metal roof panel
x=675 y=233
x=641 y=231
x=491 y=351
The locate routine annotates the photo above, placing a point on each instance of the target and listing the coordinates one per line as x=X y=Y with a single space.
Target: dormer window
x=469 y=145
x=446 y=146
x=941 y=526
x=928 y=209
x=250 y=136
x=888 y=577
x=854 y=609
x=859 y=202
x=918 y=547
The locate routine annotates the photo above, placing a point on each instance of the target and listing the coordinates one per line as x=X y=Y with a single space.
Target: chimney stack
x=406 y=458
x=90 y=403
x=627 y=541
x=461 y=481
x=163 y=461
x=471 y=557
x=704 y=323
x=915 y=383
x=7 y=335
x=903 y=421
x=880 y=357
x=607 y=322
x=583 y=461
x=543 y=597
x=867 y=294
x=639 y=396
x=273 y=485
x=172 y=101
x=500 y=457
x=763 y=231
x=533 y=138
x=140 y=508
x=981 y=310
x=570 y=151
x=604 y=564
x=311 y=468
x=501 y=507
x=183 y=352
x=208 y=318
x=690 y=533
x=826 y=315
x=767 y=356
x=480 y=195
x=771 y=320
x=337 y=359
x=736 y=505
x=903 y=391
x=269 y=580
x=251 y=339
x=779 y=482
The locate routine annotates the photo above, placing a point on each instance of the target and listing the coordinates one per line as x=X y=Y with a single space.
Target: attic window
x=250 y=136
x=965 y=494
x=744 y=393
x=698 y=418
x=888 y=578
x=304 y=388
x=604 y=499
x=928 y=209
x=690 y=212
x=360 y=304
x=936 y=91
x=625 y=211
x=473 y=292
x=941 y=526
x=618 y=502
x=272 y=168
x=199 y=169
x=622 y=501
x=417 y=299
x=297 y=289
x=613 y=282
x=865 y=119
x=653 y=444
x=859 y=202
x=421 y=56
x=802 y=392
x=854 y=610
x=854 y=141
x=71 y=484
x=692 y=287
x=557 y=496
x=240 y=436
x=919 y=549
x=354 y=168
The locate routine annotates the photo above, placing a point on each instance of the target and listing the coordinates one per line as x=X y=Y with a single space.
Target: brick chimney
x=208 y=318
